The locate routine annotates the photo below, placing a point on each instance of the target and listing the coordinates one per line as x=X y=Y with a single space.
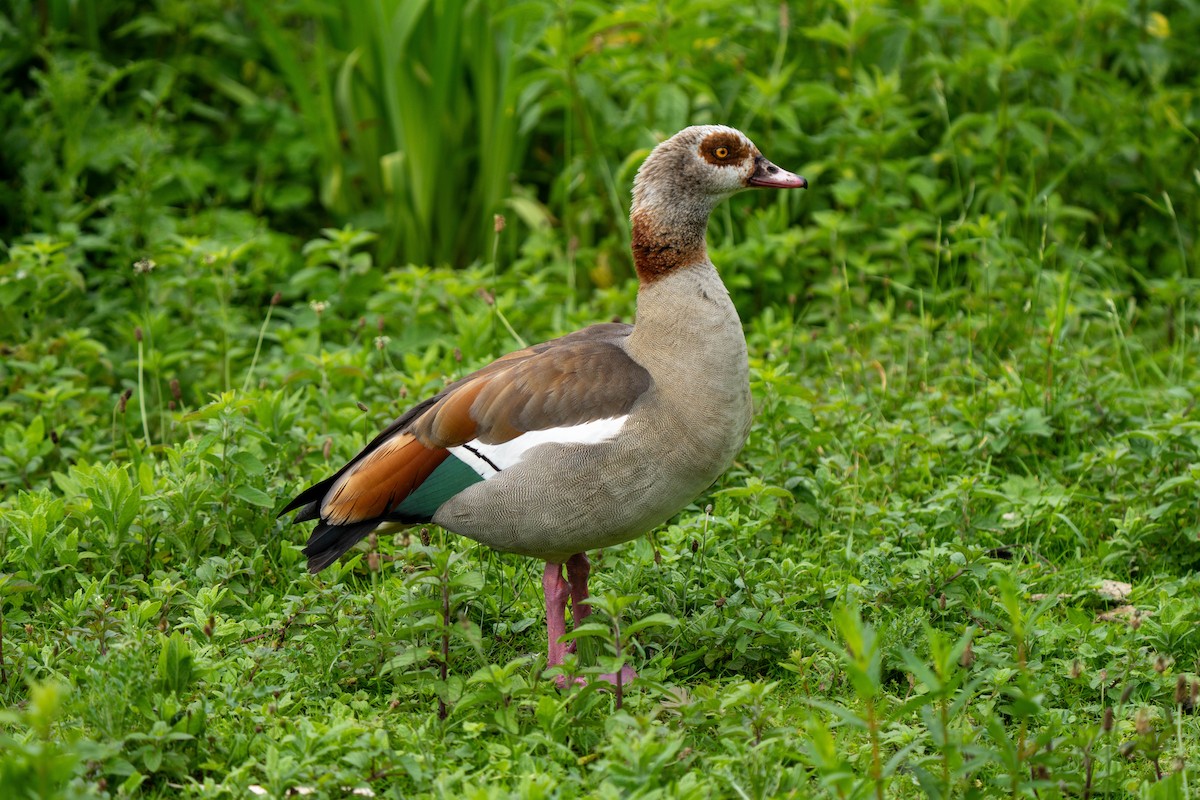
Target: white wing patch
x=488 y=459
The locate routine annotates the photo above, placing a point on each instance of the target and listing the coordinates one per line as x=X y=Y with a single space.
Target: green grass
x=907 y=492
x=975 y=347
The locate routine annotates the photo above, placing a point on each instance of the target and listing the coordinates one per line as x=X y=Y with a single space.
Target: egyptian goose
x=592 y=439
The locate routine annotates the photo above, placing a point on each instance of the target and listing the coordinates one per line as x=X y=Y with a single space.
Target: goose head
x=709 y=161
x=682 y=181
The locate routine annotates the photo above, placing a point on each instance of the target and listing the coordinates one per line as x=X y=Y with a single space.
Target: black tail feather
x=312 y=496
x=329 y=542
x=309 y=512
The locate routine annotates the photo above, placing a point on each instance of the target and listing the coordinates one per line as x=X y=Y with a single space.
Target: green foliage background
x=236 y=239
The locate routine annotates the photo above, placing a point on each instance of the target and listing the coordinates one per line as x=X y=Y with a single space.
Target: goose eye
x=721 y=152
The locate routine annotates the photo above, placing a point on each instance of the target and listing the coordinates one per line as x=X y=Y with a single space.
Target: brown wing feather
x=380 y=481
x=569 y=383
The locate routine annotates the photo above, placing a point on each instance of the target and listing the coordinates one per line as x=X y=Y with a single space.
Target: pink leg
x=557 y=591
x=578 y=570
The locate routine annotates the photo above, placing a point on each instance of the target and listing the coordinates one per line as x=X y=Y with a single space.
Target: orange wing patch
x=449 y=423
x=377 y=484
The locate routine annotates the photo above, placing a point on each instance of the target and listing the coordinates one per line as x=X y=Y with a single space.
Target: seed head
x=968 y=656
